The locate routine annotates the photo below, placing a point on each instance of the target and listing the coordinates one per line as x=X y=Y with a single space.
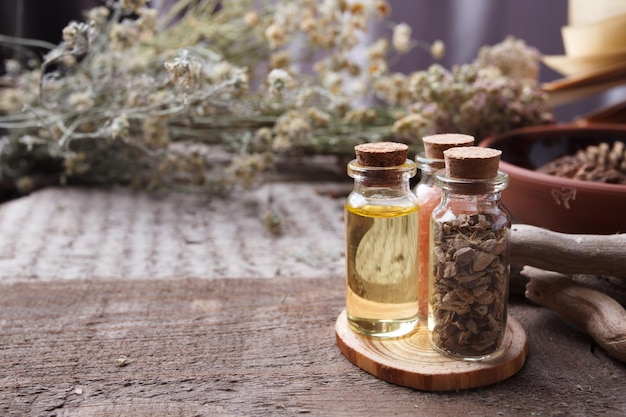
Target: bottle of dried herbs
x=429 y=197
x=381 y=219
x=469 y=256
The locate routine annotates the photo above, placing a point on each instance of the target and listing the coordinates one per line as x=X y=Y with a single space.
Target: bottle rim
x=472 y=186
x=428 y=165
x=408 y=169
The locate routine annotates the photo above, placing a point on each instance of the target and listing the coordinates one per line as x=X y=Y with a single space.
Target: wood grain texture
x=75 y=233
x=242 y=347
x=89 y=276
x=412 y=362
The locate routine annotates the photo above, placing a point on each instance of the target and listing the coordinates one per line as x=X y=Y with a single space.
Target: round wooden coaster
x=411 y=361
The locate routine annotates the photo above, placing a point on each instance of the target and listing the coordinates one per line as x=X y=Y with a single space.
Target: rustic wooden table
x=120 y=303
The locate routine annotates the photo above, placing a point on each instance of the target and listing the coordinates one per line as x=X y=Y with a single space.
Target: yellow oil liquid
x=382 y=265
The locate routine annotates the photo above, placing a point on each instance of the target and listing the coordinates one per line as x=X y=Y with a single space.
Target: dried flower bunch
x=495 y=93
x=211 y=93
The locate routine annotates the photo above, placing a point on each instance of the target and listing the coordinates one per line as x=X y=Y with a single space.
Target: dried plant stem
x=13 y=41
x=189 y=7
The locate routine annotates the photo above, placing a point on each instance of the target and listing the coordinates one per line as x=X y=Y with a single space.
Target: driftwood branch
x=613 y=287
x=568 y=253
x=603 y=318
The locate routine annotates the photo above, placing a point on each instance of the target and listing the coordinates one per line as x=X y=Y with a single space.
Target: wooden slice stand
x=411 y=361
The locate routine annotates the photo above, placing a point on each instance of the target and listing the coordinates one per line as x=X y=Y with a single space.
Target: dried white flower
x=124 y=35
x=291 y=129
x=378 y=50
x=147 y=22
x=246 y=168
x=281 y=144
x=401 y=39
x=278 y=80
x=239 y=79
x=392 y=89
x=25 y=184
x=332 y=81
x=275 y=36
x=75 y=163
x=437 y=49
x=273 y=222
x=220 y=71
x=308 y=24
x=251 y=18
x=76 y=37
x=513 y=57
x=359 y=116
x=81 y=101
x=383 y=8
x=263 y=137
x=123 y=361
x=11 y=99
x=280 y=59
x=410 y=126
x=156 y=133
x=348 y=37
x=12 y=67
x=133 y=5
x=318 y=117
x=98 y=15
x=377 y=68
x=184 y=69
x=120 y=127
x=329 y=8
x=30 y=141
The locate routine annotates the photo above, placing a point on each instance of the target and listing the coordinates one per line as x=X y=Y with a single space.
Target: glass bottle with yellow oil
x=381 y=219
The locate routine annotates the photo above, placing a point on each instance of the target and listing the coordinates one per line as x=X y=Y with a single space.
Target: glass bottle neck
x=428 y=167
x=390 y=178
x=476 y=202
x=489 y=188
x=369 y=186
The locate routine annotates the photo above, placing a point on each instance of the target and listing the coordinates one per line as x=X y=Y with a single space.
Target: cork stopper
x=381 y=154
x=435 y=145
x=472 y=162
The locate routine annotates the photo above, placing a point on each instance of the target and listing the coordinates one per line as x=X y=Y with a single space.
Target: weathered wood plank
x=75 y=233
x=251 y=347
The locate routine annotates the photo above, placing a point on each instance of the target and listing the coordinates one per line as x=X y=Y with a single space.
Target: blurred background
x=463 y=25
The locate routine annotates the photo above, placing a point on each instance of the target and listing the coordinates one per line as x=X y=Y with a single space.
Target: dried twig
x=596 y=313
x=568 y=253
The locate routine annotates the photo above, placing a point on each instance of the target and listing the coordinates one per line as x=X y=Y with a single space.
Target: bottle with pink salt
x=429 y=196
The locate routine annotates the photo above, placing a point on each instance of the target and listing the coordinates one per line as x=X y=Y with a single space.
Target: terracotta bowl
x=559 y=204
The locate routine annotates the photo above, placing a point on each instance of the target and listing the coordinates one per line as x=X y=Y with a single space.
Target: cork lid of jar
x=381 y=154
x=435 y=145
x=472 y=162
